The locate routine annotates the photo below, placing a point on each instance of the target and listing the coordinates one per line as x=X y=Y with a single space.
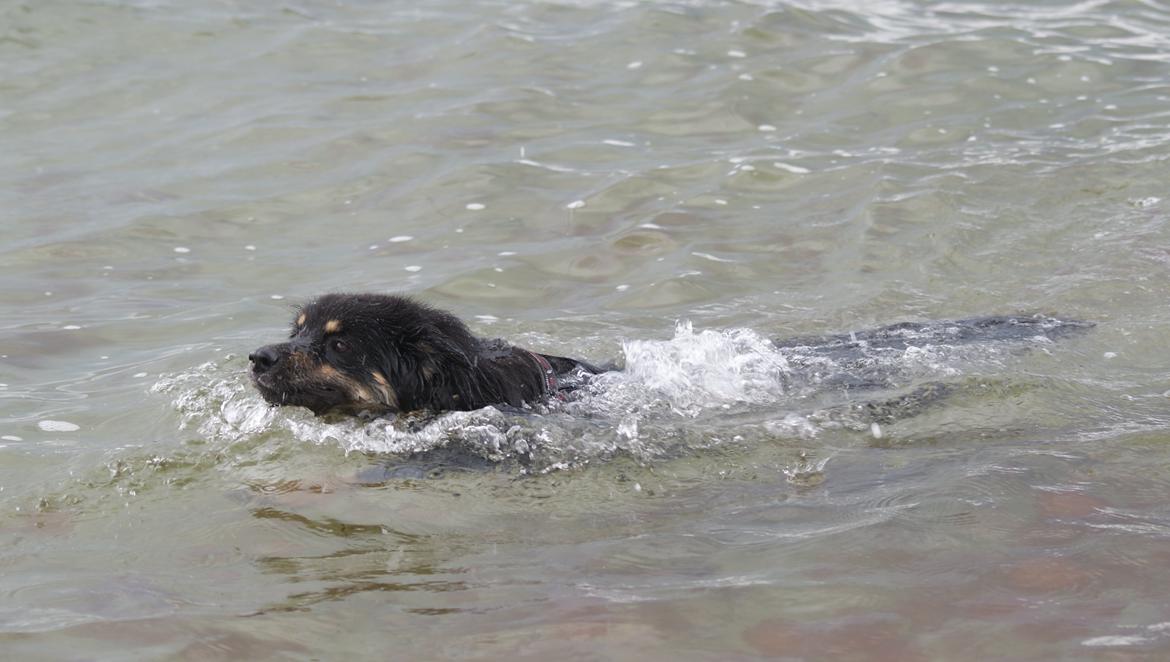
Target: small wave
x=695 y=390
x=225 y=409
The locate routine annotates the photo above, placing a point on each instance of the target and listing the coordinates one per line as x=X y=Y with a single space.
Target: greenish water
x=668 y=184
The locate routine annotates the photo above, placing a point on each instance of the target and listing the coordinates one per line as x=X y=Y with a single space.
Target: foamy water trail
x=653 y=403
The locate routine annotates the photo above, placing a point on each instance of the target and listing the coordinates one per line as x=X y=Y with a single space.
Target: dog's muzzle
x=266 y=359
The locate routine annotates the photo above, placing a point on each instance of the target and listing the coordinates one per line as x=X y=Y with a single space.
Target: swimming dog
x=378 y=354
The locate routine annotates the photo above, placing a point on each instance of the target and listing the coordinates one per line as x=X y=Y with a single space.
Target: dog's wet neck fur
x=492 y=372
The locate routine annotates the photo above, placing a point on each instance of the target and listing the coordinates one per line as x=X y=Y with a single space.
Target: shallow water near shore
x=671 y=186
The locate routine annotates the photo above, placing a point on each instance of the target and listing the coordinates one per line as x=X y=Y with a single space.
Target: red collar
x=550 y=376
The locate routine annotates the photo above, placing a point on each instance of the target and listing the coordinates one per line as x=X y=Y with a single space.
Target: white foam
x=228 y=410
x=58 y=426
x=709 y=368
x=1116 y=640
x=708 y=256
x=485 y=431
x=628 y=427
x=790 y=168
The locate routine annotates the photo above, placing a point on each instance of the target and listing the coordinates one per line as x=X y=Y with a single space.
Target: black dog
x=378 y=354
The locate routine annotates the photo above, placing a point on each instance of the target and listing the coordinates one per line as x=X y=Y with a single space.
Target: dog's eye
x=340 y=346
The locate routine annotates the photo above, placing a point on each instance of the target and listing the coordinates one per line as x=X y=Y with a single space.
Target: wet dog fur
x=379 y=354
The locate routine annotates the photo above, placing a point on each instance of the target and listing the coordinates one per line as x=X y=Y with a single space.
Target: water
x=667 y=185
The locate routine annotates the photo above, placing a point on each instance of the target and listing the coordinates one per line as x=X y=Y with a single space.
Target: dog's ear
x=439 y=354
x=432 y=369
x=444 y=340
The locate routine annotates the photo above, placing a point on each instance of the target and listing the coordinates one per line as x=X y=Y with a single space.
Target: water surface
x=669 y=185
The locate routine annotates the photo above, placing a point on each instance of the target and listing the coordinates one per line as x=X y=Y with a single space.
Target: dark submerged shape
x=856 y=356
x=898 y=337
x=377 y=354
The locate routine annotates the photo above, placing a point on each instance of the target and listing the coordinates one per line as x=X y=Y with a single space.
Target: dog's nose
x=264 y=358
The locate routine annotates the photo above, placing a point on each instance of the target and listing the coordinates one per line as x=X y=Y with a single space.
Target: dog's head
x=354 y=353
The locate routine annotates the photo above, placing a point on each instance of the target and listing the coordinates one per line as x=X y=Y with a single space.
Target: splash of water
x=696 y=389
x=693 y=371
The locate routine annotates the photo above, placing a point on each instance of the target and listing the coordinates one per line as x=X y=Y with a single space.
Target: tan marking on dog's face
x=301 y=319
x=389 y=397
x=332 y=326
x=299 y=361
x=370 y=392
x=357 y=391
